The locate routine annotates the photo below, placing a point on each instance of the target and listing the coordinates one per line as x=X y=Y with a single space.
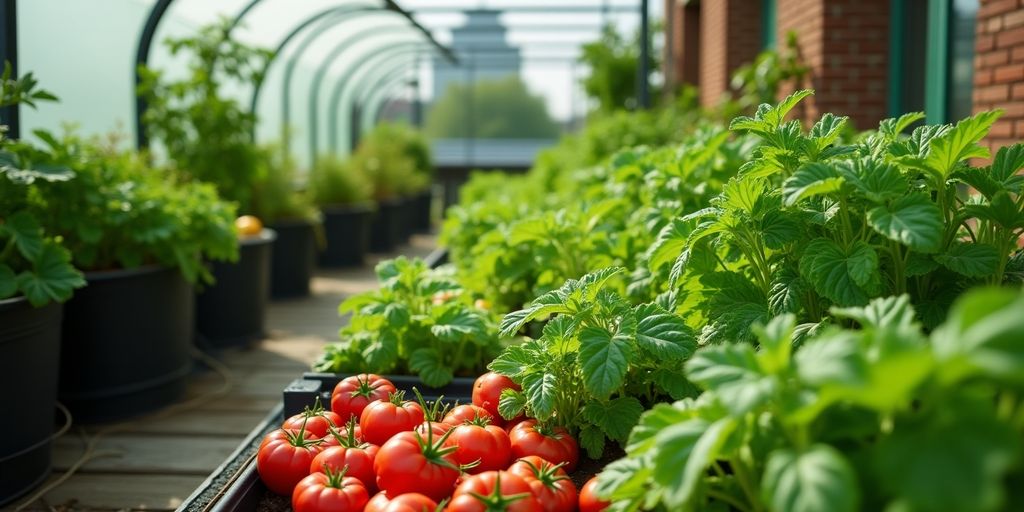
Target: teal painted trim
x=937 y=64
x=768 y=24
x=897 y=19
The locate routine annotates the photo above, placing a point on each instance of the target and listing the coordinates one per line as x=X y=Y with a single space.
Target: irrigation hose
x=91 y=453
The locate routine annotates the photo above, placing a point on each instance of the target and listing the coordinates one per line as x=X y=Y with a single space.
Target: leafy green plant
x=333 y=181
x=598 y=363
x=396 y=160
x=813 y=220
x=33 y=262
x=121 y=212
x=206 y=134
x=613 y=61
x=276 y=195
x=419 y=322
x=875 y=418
x=501 y=108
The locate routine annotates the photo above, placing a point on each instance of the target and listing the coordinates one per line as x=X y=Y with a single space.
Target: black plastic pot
x=347 y=234
x=29 y=359
x=126 y=341
x=293 y=258
x=232 y=311
x=422 y=211
x=386 y=227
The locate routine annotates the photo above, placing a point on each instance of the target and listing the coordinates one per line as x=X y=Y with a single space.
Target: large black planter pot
x=423 y=208
x=232 y=311
x=347 y=234
x=126 y=341
x=293 y=258
x=386 y=227
x=29 y=359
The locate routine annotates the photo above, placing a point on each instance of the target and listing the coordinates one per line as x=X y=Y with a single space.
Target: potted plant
x=383 y=157
x=142 y=236
x=343 y=195
x=36 y=276
x=291 y=214
x=208 y=137
x=419 y=191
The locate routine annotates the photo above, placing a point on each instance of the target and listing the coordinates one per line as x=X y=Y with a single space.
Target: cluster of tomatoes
x=411 y=458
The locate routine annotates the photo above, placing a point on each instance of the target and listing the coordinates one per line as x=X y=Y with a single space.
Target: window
x=768 y=24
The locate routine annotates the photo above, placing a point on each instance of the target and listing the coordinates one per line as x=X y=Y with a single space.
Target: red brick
x=982 y=77
x=1008 y=73
x=1001 y=128
x=1012 y=37
x=1017 y=54
x=996 y=58
x=1018 y=129
x=1013 y=19
x=1014 y=110
x=994 y=7
x=984 y=42
x=993 y=24
x=993 y=93
x=1018 y=92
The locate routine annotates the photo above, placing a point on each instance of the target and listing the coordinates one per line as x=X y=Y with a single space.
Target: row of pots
x=122 y=345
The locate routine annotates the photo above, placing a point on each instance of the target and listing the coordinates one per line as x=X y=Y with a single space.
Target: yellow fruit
x=247 y=225
x=483 y=304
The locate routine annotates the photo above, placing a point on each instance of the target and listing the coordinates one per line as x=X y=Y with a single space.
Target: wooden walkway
x=155 y=462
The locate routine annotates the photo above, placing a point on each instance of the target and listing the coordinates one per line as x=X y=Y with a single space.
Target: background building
x=868 y=59
x=482 y=40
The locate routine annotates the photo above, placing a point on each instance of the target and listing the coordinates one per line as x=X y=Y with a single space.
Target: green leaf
x=8 y=282
x=24 y=230
x=514 y=321
x=913 y=220
x=827 y=129
x=540 y=389
x=744 y=193
x=513 y=362
x=893 y=127
x=397 y=315
x=778 y=229
x=52 y=277
x=511 y=404
x=430 y=366
x=832 y=359
x=670 y=242
x=1009 y=160
x=662 y=335
x=604 y=359
x=983 y=335
x=844 y=277
x=971 y=260
x=685 y=454
x=956 y=145
x=876 y=180
x=817 y=479
x=976 y=452
x=592 y=440
x=381 y=354
x=733 y=374
x=594 y=282
x=811 y=180
x=457 y=322
x=786 y=292
x=616 y=417
x=776 y=342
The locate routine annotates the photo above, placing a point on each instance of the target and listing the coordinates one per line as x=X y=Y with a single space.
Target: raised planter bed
x=386 y=227
x=293 y=258
x=347 y=234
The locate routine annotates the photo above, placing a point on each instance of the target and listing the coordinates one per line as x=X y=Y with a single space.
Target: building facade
x=481 y=44
x=868 y=59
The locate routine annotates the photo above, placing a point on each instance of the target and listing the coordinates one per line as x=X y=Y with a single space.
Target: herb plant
x=335 y=182
x=206 y=134
x=876 y=418
x=418 y=321
x=598 y=364
x=33 y=262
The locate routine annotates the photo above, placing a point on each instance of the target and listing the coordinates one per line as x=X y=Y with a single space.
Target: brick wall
x=999 y=68
x=845 y=45
x=730 y=36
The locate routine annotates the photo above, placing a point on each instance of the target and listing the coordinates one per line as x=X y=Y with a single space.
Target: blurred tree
x=501 y=108
x=613 y=62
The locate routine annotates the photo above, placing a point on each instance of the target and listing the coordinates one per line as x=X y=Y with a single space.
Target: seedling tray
x=235 y=486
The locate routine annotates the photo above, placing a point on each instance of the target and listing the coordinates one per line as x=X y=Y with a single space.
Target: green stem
x=739 y=469
x=6 y=253
x=725 y=498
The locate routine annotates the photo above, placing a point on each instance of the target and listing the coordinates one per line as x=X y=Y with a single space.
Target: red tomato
x=589 y=502
x=467 y=413
x=493 y=491
x=409 y=462
x=548 y=483
x=554 y=445
x=384 y=418
x=354 y=393
x=487 y=392
x=489 y=445
x=329 y=492
x=438 y=429
x=408 y=502
x=284 y=457
x=316 y=420
x=358 y=459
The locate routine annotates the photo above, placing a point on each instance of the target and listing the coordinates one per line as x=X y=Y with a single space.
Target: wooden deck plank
x=204 y=422
x=163 y=455
x=119 y=492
